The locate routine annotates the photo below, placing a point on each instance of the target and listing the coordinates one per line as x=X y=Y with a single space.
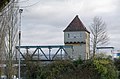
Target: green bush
x=105 y=68
x=55 y=70
x=98 y=68
x=117 y=64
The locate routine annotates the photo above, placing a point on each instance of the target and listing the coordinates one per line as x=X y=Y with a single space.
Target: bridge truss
x=43 y=53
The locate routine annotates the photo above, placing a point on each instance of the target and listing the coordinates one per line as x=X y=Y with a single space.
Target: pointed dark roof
x=76 y=25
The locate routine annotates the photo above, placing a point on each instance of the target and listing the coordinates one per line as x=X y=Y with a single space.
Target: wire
x=22 y=1
x=20 y=7
x=30 y=5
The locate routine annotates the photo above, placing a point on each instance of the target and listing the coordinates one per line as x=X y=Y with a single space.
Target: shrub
x=98 y=68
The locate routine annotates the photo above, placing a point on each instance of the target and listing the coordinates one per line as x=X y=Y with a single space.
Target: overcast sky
x=44 y=22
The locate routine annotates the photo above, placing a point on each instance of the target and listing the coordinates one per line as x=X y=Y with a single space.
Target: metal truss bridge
x=43 y=53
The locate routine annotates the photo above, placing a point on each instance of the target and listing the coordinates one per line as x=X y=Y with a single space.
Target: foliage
x=55 y=70
x=98 y=68
x=117 y=64
x=30 y=71
x=78 y=62
x=105 y=68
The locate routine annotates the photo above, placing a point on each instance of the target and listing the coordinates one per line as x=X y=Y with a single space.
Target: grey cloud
x=44 y=22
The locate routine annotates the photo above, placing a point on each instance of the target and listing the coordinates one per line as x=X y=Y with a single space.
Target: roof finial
x=76 y=15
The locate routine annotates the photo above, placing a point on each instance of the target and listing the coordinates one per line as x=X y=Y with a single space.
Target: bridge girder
x=59 y=54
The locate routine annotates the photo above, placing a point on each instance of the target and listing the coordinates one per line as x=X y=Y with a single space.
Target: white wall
x=79 y=49
x=74 y=36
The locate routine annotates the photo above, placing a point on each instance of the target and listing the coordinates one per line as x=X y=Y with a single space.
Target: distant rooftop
x=76 y=25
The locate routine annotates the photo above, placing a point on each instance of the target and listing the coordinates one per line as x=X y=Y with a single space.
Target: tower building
x=78 y=36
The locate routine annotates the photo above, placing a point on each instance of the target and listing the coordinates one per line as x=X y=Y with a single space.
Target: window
x=73 y=36
x=80 y=35
x=68 y=35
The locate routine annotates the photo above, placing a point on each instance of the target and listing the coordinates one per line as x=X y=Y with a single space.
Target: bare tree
x=98 y=33
x=8 y=36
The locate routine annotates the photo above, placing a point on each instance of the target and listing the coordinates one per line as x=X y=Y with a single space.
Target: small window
x=80 y=35
x=68 y=35
x=74 y=36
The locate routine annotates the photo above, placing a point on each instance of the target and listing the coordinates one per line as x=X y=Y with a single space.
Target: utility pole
x=20 y=11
